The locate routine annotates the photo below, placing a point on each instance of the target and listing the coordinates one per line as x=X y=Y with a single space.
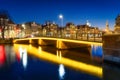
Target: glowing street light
x=23 y=25
x=61 y=18
x=24 y=30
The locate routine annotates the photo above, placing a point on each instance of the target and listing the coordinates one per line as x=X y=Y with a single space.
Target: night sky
x=76 y=11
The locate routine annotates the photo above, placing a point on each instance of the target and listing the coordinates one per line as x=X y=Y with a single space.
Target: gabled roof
x=82 y=26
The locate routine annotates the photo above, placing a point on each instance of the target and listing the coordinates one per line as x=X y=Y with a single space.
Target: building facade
x=7 y=26
x=50 y=29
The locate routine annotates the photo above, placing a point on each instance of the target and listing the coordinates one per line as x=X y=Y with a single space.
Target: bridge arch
x=94 y=48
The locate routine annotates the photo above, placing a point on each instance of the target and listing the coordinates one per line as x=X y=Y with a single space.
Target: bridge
x=94 y=48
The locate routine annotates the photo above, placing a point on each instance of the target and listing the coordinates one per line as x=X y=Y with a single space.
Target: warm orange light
x=59 y=44
x=63 y=40
x=87 y=68
x=39 y=41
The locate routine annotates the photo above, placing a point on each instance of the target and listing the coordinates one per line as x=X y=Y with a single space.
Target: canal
x=32 y=62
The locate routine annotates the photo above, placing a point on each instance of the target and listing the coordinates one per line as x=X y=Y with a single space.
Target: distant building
x=117 y=24
x=31 y=29
x=70 y=30
x=50 y=29
x=7 y=26
x=86 y=32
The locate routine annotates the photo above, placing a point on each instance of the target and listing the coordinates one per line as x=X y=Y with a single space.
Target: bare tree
x=5 y=19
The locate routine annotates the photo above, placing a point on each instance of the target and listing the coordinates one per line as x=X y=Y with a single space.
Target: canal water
x=31 y=62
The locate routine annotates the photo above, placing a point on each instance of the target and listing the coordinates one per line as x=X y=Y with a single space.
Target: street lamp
x=23 y=26
x=61 y=18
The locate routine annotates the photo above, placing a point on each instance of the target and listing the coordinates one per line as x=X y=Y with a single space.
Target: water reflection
x=40 y=66
x=40 y=49
x=2 y=55
x=7 y=55
x=111 y=72
x=23 y=56
x=61 y=71
x=59 y=54
x=87 y=68
x=40 y=69
x=96 y=51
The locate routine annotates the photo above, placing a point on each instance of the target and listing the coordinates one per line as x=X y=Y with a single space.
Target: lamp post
x=23 y=26
x=61 y=18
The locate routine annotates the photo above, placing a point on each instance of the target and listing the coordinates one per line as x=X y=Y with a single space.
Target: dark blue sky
x=76 y=11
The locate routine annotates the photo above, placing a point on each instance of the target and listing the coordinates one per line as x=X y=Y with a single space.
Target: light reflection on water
x=39 y=49
x=2 y=55
x=59 y=54
x=23 y=56
x=61 y=71
x=59 y=57
x=88 y=68
x=96 y=51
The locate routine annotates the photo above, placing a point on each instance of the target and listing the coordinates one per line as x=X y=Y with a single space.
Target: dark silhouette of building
x=117 y=24
x=4 y=16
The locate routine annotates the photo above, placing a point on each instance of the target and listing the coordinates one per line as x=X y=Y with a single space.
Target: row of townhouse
x=8 y=29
